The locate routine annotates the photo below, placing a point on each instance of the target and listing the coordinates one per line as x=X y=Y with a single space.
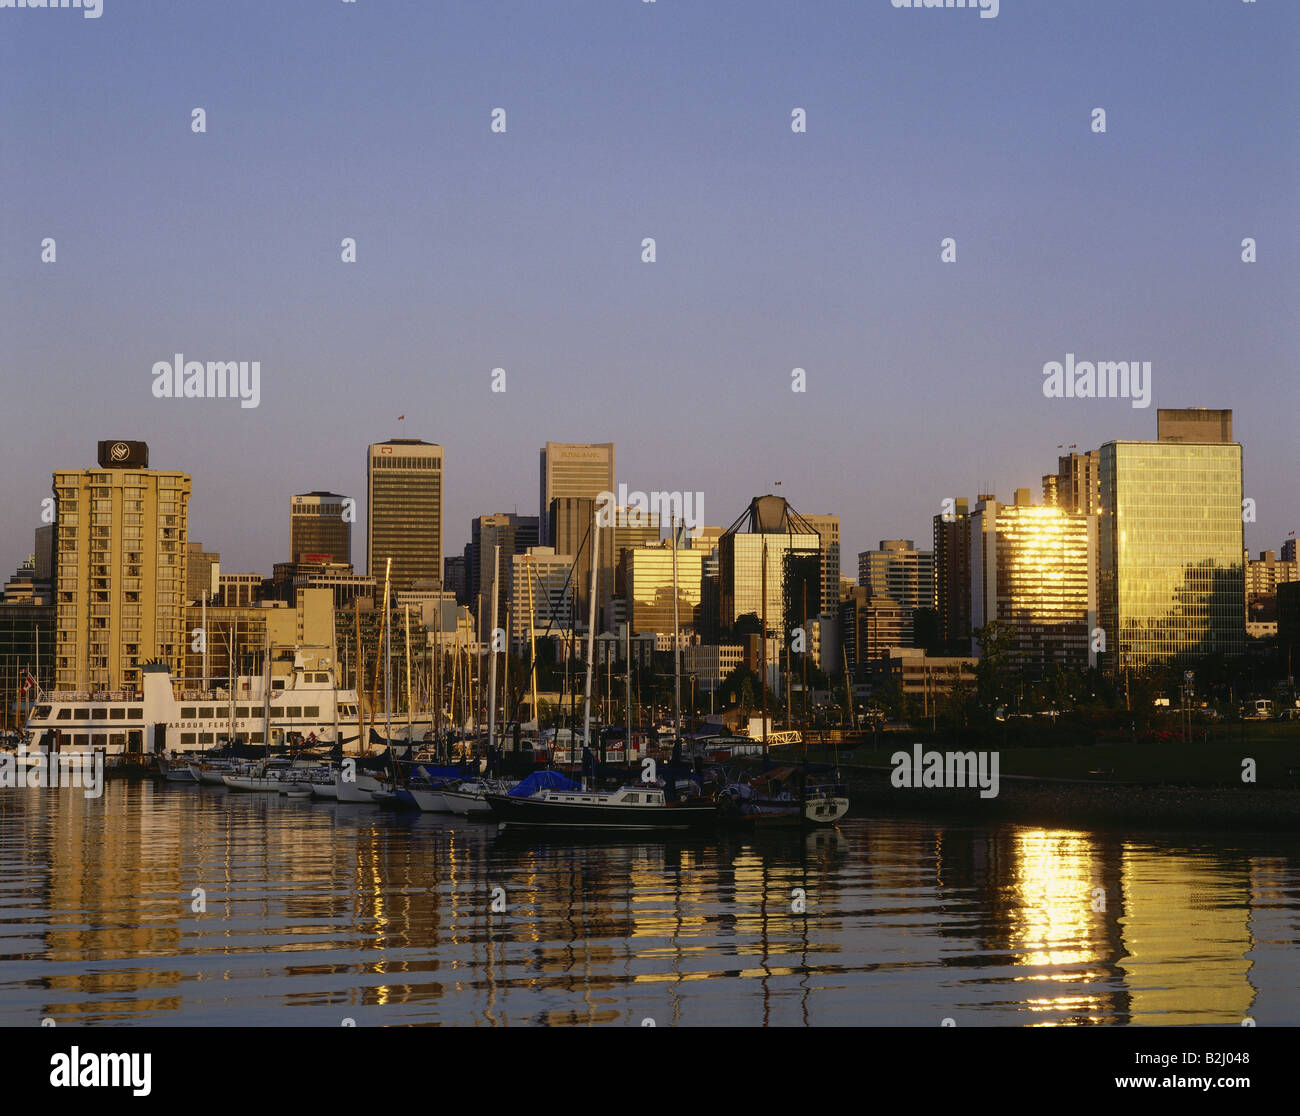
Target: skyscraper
x=584 y=470
x=899 y=572
x=1172 y=577
x=828 y=530
x=404 y=512
x=120 y=565
x=1076 y=484
x=320 y=523
x=774 y=548
x=952 y=585
x=1033 y=569
x=514 y=534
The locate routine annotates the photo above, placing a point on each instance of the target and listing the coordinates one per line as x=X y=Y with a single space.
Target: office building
x=649 y=574
x=952 y=575
x=1034 y=571
x=582 y=470
x=545 y=575
x=404 y=497
x=776 y=547
x=897 y=571
x=1076 y=484
x=320 y=525
x=202 y=574
x=512 y=534
x=1172 y=578
x=238 y=590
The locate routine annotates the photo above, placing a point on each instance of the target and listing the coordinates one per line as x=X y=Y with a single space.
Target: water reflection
x=310 y=913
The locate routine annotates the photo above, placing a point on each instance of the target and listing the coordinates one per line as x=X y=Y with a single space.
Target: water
x=318 y=913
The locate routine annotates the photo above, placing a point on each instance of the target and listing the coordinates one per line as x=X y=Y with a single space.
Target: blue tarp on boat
x=543 y=780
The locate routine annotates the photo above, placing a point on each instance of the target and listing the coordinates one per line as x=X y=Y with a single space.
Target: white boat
x=468 y=799
x=825 y=805
x=360 y=789
x=168 y=716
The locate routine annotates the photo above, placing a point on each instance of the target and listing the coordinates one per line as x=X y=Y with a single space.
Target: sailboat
x=634 y=806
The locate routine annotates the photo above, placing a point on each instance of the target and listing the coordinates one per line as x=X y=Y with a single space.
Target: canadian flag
x=28 y=681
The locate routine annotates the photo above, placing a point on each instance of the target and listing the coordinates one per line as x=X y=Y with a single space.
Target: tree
x=993 y=672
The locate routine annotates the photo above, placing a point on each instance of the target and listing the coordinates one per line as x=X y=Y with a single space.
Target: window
x=311 y=711
x=293 y=711
x=189 y=711
x=187 y=738
x=81 y=714
x=135 y=714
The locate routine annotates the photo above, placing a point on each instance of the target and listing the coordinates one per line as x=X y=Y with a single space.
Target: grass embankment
x=1213 y=757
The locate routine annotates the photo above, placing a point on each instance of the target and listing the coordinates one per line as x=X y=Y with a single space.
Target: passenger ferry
x=304 y=704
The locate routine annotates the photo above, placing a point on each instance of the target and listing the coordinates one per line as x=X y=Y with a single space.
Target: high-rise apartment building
x=120 y=567
x=1033 y=569
x=899 y=572
x=583 y=470
x=404 y=497
x=952 y=576
x=202 y=570
x=320 y=524
x=1172 y=579
x=1076 y=484
x=828 y=531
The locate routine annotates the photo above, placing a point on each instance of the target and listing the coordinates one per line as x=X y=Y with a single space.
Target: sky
x=523 y=250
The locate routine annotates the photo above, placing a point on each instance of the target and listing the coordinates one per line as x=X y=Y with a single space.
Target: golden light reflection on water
x=317 y=912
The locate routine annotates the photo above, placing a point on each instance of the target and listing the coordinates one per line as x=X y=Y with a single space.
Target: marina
x=158 y=904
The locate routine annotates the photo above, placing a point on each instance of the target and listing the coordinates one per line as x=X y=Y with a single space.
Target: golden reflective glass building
x=650 y=588
x=1033 y=568
x=1172 y=578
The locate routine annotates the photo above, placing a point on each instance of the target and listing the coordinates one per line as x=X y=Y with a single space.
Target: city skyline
x=523 y=251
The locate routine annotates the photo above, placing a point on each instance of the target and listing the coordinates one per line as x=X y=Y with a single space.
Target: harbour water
x=313 y=914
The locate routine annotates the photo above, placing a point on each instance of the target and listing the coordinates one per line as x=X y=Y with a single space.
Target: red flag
x=401 y=418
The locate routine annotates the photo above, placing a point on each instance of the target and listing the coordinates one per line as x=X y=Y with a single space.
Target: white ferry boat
x=304 y=704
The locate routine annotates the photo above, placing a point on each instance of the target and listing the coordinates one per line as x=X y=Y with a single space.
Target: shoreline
x=1078 y=802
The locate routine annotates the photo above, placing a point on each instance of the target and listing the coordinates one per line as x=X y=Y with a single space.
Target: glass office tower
x=1172 y=576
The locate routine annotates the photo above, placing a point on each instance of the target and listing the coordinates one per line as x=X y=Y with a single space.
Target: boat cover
x=543 y=780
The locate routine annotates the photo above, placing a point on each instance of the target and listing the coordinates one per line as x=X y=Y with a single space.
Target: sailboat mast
x=763 y=646
x=388 y=661
x=266 y=689
x=492 y=649
x=359 y=679
x=591 y=630
x=203 y=627
x=677 y=644
x=406 y=615
x=532 y=639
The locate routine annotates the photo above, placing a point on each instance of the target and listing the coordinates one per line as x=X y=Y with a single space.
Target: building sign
x=119 y=454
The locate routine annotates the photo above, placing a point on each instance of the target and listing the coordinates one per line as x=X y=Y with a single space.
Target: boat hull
x=562 y=815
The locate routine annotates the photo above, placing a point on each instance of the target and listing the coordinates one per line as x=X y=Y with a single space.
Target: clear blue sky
x=522 y=250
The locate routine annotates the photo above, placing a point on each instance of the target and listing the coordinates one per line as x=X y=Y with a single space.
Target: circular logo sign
x=120 y=451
